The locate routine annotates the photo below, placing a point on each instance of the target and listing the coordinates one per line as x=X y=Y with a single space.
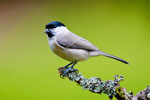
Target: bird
x=71 y=46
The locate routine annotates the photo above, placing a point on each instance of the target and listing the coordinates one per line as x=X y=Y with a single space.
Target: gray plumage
x=71 y=46
x=74 y=41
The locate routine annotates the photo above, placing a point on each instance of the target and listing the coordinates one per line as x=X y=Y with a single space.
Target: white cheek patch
x=60 y=30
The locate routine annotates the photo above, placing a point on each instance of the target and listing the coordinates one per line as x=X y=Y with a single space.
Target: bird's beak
x=46 y=30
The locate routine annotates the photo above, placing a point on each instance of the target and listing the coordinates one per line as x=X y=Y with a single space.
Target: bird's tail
x=114 y=57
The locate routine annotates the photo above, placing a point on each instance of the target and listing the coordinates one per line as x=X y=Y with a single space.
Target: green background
x=28 y=69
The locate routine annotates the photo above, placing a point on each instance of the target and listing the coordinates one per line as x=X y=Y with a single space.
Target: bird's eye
x=50 y=26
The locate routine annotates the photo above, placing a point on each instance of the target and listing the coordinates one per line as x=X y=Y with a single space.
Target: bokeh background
x=28 y=69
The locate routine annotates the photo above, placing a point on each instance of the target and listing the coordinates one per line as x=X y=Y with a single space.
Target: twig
x=110 y=87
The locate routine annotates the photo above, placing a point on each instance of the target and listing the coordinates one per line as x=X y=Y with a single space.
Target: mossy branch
x=110 y=87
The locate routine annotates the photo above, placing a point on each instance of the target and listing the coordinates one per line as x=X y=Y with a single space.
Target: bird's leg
x=73 y=65
x=68 y=65
x=70 y=69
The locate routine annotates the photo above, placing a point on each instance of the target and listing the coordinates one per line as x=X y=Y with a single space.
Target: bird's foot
x=69 y=69
x=63 y=71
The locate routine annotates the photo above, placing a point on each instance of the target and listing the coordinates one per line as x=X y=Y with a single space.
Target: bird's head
x=55 y=28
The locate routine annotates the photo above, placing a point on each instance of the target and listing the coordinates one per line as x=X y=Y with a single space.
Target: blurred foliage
x=28 y=69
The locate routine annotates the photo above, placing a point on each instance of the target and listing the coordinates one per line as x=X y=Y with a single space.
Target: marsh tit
x=70 y=46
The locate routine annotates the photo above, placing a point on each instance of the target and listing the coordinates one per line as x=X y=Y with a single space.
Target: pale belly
x=69 y=54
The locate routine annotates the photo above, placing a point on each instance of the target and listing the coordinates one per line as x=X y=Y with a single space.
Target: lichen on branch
x=110 y=87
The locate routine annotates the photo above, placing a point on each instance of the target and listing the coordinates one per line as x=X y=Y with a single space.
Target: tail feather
x=114 y=57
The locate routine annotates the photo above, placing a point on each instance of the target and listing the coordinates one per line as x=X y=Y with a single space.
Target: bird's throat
x=50 y=35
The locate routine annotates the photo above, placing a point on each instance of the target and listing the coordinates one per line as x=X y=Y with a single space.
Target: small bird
x=70 y=46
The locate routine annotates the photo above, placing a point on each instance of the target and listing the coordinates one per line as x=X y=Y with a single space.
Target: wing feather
x=74 y=41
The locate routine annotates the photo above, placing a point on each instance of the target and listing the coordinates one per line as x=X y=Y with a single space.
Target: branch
x=110 y=87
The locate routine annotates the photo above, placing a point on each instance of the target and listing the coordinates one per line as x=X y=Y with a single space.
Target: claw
x=63 y=71
x=68 y=70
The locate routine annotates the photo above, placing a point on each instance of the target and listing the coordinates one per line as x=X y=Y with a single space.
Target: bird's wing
x=74 y=41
